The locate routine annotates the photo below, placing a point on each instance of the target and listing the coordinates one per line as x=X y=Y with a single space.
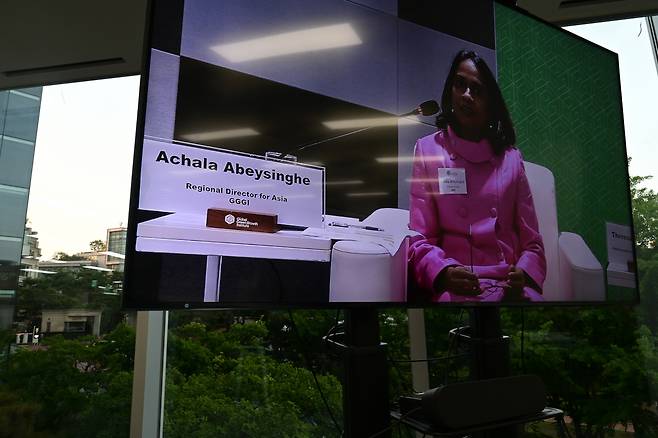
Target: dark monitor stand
x=366 y=408
x=490 y=357
x=489 y=348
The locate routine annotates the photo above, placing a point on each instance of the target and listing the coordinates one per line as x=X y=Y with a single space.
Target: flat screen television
x=359 y=153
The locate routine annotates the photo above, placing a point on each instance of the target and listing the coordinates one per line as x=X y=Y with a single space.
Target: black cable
x=523 y=339
x=432 y=359
x=411 y=388
x=563 y=427
x=315 y=378
x=399 y=373
x=330 y=332
x=452 y=343
x=281 y=295
x=396 y=423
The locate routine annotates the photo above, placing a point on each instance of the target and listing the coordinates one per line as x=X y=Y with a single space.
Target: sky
x=83 y=157
x=639 y=84
x=82 y=163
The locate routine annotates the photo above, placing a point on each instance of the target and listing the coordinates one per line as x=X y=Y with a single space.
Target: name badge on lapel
x=452 y=181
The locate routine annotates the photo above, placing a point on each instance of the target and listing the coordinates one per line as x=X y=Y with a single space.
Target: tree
x=60 y=255
x=97 y=245
x=596 y=364
x=227 y=383
x=645 y=212
x=71 y=387
x=601 y=364
x=645 y=218
x=65 y=290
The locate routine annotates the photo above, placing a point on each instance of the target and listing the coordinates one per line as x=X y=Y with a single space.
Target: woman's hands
x=516 y=281
x=457 y=279
x=460 y=280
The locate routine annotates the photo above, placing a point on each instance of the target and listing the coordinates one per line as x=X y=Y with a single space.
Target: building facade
x=116 y=243
x=30 y=254
x=19 y=117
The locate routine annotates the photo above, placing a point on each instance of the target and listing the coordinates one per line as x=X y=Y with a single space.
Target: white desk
x=180 y=233
x=188 y=234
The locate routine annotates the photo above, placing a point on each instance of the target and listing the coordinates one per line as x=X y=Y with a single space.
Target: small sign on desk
x=241 y=220
x=621 y=261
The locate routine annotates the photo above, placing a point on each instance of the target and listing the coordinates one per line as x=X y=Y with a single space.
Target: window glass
x=14 y=205
x=34 y=91
x=66 y=348
x=22 y=115
x=4 y=95
x=10 y=249
x=16 y=162
x=231 y=371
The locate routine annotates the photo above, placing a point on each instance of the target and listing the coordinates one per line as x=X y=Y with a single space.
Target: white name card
x=187 y=179
x=620 y=244
x=452 y=181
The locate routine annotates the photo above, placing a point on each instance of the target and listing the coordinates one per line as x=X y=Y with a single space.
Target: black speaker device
x=471 y=404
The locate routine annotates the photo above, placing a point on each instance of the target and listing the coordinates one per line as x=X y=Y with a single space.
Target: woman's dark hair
x=500 y=131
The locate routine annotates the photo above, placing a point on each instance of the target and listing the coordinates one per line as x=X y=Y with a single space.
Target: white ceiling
x=563 y=12
x=47 y=42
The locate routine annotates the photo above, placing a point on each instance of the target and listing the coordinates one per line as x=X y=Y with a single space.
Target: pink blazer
x=490 y=228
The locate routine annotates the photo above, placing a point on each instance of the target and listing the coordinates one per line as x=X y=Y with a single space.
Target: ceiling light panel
x=300 y=41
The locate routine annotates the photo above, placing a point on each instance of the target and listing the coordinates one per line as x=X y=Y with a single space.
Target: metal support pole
x=366 y=410
x=420 y=377
x=147 y=411
x=491 y=358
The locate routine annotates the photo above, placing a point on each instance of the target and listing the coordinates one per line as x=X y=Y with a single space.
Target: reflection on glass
x=113 y=254
x=351 y=182
x=38 y=271
x=365 y=194
x=393 y=160
x=405 y=159
x=97 y=268
x=307 y=40
x=372 y=122
x=420 y=180
x=220 y=134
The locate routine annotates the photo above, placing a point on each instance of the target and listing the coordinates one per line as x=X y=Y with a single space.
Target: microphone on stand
x=427 y=108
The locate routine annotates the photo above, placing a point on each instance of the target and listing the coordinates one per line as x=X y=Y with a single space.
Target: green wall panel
x=564 y=97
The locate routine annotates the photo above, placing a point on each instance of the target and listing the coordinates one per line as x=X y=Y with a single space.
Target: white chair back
x=542 y=187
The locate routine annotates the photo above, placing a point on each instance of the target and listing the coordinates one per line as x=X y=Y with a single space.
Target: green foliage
x=306 y=343
x=248 y=373
x=225 y=383
x=66 y=257
x=596 y=364
x=220 y=382
x=65 y=290
x=70 y=388
x=97 y=245
x=645 y=212
x=16 y=416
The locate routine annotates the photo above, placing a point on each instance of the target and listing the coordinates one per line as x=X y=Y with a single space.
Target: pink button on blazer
x=489 y=229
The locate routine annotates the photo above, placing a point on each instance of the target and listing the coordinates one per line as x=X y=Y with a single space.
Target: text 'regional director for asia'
x=470 y=198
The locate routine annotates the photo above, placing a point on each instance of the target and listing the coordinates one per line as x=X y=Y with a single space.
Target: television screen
x=335 y=153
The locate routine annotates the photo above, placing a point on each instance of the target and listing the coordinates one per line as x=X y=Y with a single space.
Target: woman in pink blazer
x=470 y=198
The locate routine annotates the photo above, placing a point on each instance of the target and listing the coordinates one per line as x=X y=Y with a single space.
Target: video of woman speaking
x=348 y=153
